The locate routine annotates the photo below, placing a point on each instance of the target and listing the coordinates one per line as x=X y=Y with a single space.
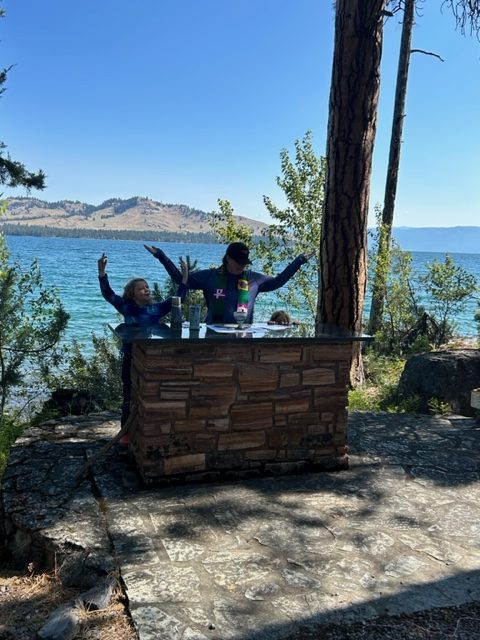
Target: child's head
x=280 y=317
x=138 y=291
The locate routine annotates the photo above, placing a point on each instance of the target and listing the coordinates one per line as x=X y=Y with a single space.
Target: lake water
x=71 y=265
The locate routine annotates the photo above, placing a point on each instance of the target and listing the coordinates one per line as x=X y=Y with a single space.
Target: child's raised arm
x=102 y=265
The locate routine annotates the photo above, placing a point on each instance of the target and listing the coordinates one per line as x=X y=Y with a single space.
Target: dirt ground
x=27 y=600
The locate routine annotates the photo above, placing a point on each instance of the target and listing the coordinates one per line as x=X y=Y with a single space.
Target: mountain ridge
x=117 y=217
x=457 y=239
x=115 y=214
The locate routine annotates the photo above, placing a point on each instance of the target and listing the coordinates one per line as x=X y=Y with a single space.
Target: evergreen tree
x=32 y=321
x=12 y=172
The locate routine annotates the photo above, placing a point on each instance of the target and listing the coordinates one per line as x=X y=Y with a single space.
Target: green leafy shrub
x=98 y=373
x=9 y=432
x=437 y=406
x=379 y=392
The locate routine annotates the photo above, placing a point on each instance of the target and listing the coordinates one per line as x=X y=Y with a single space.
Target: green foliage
x=379 y=267
x=409 y=326
x=438 y=407
x=379 y=391
x=14 y=173
x=99 y=373
x=401 y=310
x=297 y=228
x=193 y=297
x=363 y=399
x=226 y=228
x=450 y=287
x=294 y=230
x=9 y=432
x=32 y=321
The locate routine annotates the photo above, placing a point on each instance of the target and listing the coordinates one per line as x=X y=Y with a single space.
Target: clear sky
x=188 y=101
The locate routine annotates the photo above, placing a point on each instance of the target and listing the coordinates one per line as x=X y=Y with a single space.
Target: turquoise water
x=71 y=265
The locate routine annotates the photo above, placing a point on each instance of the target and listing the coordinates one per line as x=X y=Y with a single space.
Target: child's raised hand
x=184 y=268
x=102 y=264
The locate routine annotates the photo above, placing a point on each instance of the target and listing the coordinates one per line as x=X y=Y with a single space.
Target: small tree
x=32 y=321
x=294 y=230
x=13 y=173
x=449 y=287
x=297 y=228
x=193 y=297
x=98 y=373
x=225 y=226
x=402 y=310
x=418 y=312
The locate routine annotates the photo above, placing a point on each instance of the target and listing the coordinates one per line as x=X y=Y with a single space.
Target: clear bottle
x=194 y=317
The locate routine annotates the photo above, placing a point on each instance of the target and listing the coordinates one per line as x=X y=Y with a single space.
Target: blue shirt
x=132 y=312
x=206 y=280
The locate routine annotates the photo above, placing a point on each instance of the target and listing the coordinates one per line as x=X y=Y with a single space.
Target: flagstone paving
x=397 y=532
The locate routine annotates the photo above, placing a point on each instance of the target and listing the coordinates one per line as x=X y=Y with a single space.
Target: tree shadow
x=398 y=529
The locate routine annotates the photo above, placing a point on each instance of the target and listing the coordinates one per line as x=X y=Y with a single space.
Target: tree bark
x=385 y=235
x=351 y=134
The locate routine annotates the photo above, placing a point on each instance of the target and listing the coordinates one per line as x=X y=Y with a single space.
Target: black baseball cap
x=239 y=252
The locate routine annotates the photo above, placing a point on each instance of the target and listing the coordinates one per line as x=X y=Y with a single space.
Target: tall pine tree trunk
x=351 y=134
x=385 y=235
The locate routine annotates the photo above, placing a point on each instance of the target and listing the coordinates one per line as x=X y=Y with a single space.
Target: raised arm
x=182 y=287
x=170 y=267
x=102 y=265
x=194 y=280
x=275 y=282
x=105 y=288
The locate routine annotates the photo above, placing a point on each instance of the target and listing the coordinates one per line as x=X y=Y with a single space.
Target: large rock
x=48 y=519
x=448 y=376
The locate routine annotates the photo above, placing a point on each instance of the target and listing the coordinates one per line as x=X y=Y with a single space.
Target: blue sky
x=188 y=101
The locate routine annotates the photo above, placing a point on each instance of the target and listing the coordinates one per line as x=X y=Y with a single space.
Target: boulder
x=448 y=376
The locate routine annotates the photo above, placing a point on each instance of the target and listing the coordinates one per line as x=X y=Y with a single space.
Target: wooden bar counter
x=214 y=405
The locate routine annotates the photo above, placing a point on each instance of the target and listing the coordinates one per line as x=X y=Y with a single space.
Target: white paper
x=255 y=328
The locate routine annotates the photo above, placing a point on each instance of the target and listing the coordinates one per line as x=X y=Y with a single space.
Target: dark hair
x=280 y=317
x=129 y=290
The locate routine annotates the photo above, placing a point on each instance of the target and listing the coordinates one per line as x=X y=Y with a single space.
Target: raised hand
x=153 y=250
x=184 y=268
x=102 y=264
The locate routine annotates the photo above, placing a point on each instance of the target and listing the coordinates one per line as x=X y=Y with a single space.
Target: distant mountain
x=134 y=214
x=441 y=239
x=140 y=217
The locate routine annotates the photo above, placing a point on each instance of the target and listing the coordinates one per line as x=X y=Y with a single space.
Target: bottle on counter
x=176 y=313
x=194 y=317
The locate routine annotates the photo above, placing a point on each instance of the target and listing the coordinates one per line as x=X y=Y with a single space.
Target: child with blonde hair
x=137 y=307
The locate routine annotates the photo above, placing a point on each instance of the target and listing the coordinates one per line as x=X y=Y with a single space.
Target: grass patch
x=379 y=392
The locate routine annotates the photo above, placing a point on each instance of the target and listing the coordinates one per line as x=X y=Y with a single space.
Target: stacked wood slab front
x=213 y=410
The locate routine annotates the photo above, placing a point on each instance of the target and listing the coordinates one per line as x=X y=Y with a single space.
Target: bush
x=98 y=375
x=379 y=392
x=9 y=432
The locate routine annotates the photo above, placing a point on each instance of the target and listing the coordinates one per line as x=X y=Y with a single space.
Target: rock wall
x=235 y=410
